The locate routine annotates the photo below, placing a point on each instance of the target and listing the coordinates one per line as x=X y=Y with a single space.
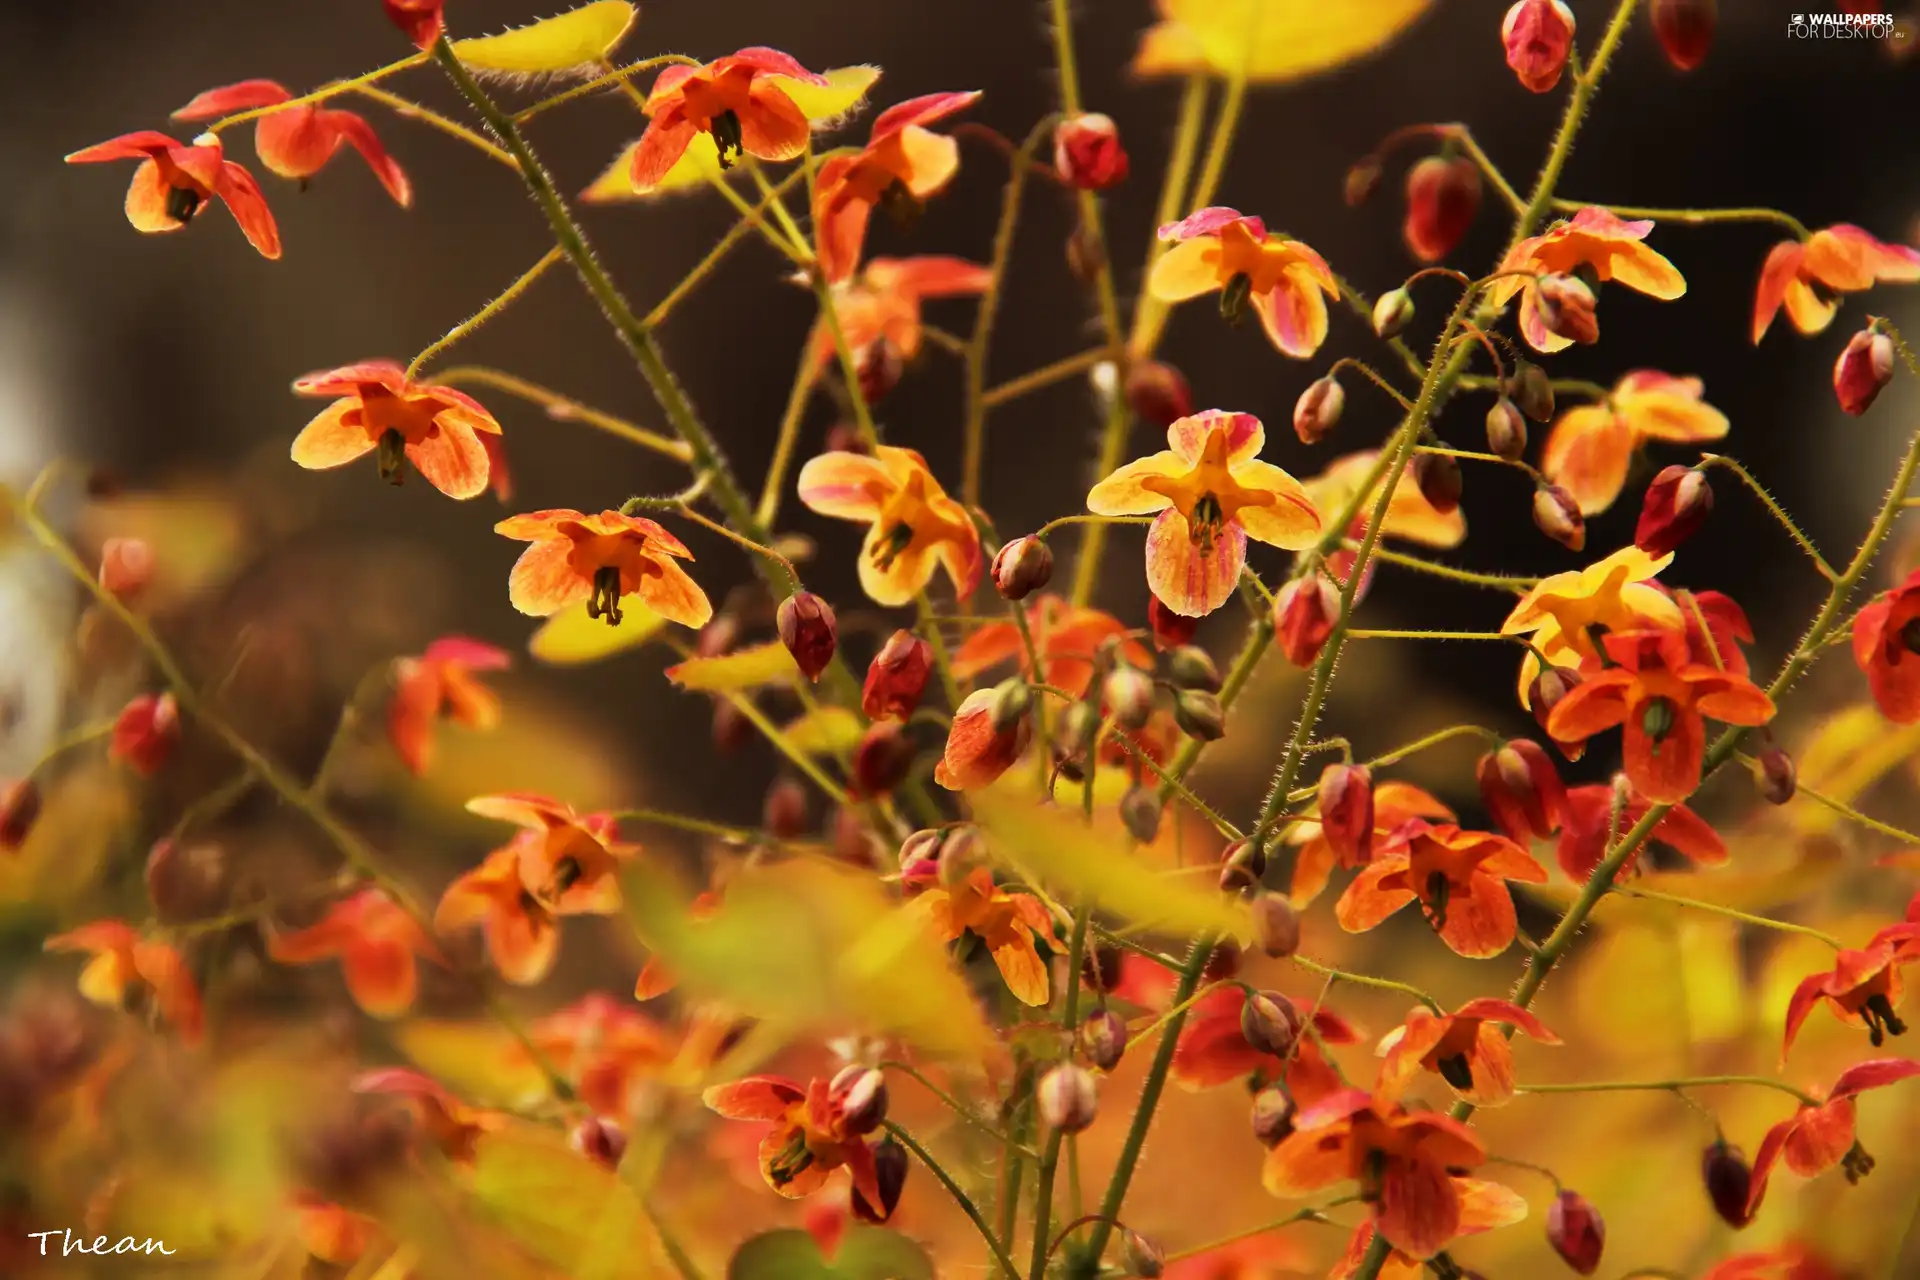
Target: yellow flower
x=915 y=524
x=1614 y=594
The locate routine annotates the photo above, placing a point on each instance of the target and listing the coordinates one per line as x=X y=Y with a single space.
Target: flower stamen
x=605 y=600
x=393 y=456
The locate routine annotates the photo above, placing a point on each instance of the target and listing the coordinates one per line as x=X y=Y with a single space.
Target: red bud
x=1304 y=616
x=1557 y=515
x=1862 y=370
x=889 y=1175
x=809 y=630
x=1538 y=35
x=1087 y=153
x=126 y=565
x=1318 y=409
x=1276 y=925
x=882 y=759
x=1158 y=393
x=1103 y=1038
x=1439 y=480
x=1685 y=29
x=146 y=732
x=19 y=810
x=1392 y=312
x=1544 y=694
x=1170 y=629
x=879 y=366
x=1346 y=812
x=599 y=1140
x=858 y=1094
x=784 y=812
x=1522 y=790
x=1532 y=390
x=1778 y=777
x=1677 y=504
x=1022 y=567
x=1443 y=195
x=896 y=677
x=1128 y=693
x=1576 y=1231
x=1729 y=1181
x=1270 y=1023
x=1506 y=430
x=1565 y=305
x=1273 y=1113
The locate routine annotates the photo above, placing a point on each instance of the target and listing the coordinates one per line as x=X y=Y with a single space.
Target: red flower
x=1087 y=153
x=1483 y=1207
x=1583 y=840
x=1862 y=988
x=807 y=1139
x=597 y=560
x=1466 y=1048
x=299 y=141
x=1008 y=924
x=572 y=862
x=897 y=677
x=1522 y=790
x=1213 y=1050
x=440 y=682
x=1886 y=638
x=1863 y=369
x=1805 y=277
x=1538 y=35
x=1593 y=242
x=1345 y=801
x=1458 y=877
x=420 y=19
x=1442 y=197
x=1304 y=615
x=976 y=753
x=522 y=933
x=377 y=407
x=902 y=164
x=1678 y=502
x=126 y=970
x=145 y=733
x=879 y=309
x=376 y=942
x=605 y=1046
x=1816 y=1138
x=737 y=99
x=1394 y=804
x=175 y=181
x=1067 y=638
x=1727 y=628
x=453 y=1126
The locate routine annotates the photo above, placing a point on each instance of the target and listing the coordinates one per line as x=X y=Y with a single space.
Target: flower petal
x=903 y=577
x=675 y=596
x=754 y=1098
x=1188 y=581
x=1480 y=923
x=1187 y=270
x=1587 y=453
x=380 y=976
x=1781 y=266
x=846 y=486
x=1292 y=522
x=544 y=581
x=1024 y=972
x=1123 y=493
x=1188 y=436
x=452 y=460
x=241 y=194
x=336 y=436
x=1666 y=771
x=1293 y=313
x=1419 y=1209
x=1368 y=901
x=659 y=149
x=773 y=127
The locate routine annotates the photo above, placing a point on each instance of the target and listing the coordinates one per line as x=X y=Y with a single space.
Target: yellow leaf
x=479 y=1061
x=571 y=638
x=828 y=105
x=1052 y=846
x=1853 y=749
x=1269 y=41
x=578 y=38
x=737 y=672
x=825 y=731
x=569 y=1210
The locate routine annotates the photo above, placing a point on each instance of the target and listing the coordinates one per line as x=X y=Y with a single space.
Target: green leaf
x=825 y=731
x=737 y=672
x=581 y=37
x=571 y=638
x=866 y=1253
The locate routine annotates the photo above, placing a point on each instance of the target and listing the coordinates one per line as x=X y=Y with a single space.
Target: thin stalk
x=960 y=1198
x=321 y=94
x=1674 y=1085
x=739 y=231
x=408 y=109
x=564 y=408
x=467 y=327
x=1149 y=314
x=1695 y=904
x=1027 y=383
x=614 y=76
x=1778 y=512
x=804 y=380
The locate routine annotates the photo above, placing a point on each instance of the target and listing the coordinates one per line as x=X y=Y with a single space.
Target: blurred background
x=164 y=362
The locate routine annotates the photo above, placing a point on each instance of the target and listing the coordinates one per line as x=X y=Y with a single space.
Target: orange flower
x=576 y=557
x=1009 y=924
x=376 y=942
x=175 y=181
x=1886 y=640
x=1661 y=697
x=605 y=1047
x=1213 y=1051
x=1458 y=877
x=976 y=753
x=1067 y=638
x=1862 y=988
x=914 y=524
x=1394 y=804
x=1593 y=243
x=126 y=970
x=1266 y=1257
x=441 y=682
x=378 y=407
x=1590 y=447
x=1466 y=1048
x=523 y=936
x=736 y=99
x=807 y=1139
x=1839 y=259
x=572 y=861
x=331 y=1233
x=902 y=164
x=452 y=1126
x=1589 y=823
x=1212 y=493
x=1613 y=594
x=1400 y=1158
x=1816 y=1138
x=422 y=20
x=880 y=307
x=1790 y=1261
x=1218 y=248
x=1483 y=1207
x=299 y=141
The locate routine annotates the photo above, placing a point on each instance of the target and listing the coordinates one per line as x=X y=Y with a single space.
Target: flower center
x=182 y=203
x=1234 y=295
x=1207 y=496
x=896 y=540
x=1657 y=719
x=1909 y=637
x=793 y=1160
x=393 y=456
x=901 y=205
x=1881 y=1019
x=1456 y=1071
x=725 y=129
x=605 y=600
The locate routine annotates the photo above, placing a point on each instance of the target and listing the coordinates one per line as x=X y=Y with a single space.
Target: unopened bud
x=1565 y=306
x=1678 y=502
x=1576 y=1231
x=1158 y=393
x=1522 y=790
x=809 y=630
x=1086 y=254
x=1685 y=29
x=1128 y=693
x=858 y=1094
x=1864 y=367
x=1392 y=313
x=1276 y=925
x=1078 y=728
x=1012 y=699
x=1140 y=813
x=1223 y=961
x=1729 y=1181
x=1345 y=799
x=146 y=732
x=126 y=566
x=1242 y=867
x=1304 y=614
x=718 y=637
x=882 y=758
x=784 y=811
x=1506 y=430
x=1272 y=1118
x=1270 y=1023
x=1557 y=515
x=1199 y=715
x=731 y=728
x=920 y=855
x=1439 y=479
x=1087 y=153
x=1170 y=630
x=845 y=437
x=1318 y=409
x=1191 y=668
x=1103 y=1039
x=1778 y=778
x=1067 y=1098
x=1538 y=35
x=1545 y=693
x=897 y=677
x=878 y=367
x=599 y=1140
x=1022 y=567
x=185 y=881
x=889 y=1177
x=960 y=855
x=19 y=810
x=1361 y=181
x=1531 y=389
x=1140 y=1256
x=1443 y=195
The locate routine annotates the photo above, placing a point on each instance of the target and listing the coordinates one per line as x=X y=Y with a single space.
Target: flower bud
x=1565 y=306
x=1538 y=35
x=854 y=842
x=1506 y=430
x=1544 y=694
x=1862 y=370
x=1086 y=254
x=126 y=566
x=146 y=732
x=1067 y=1098
x=1358 y=187
x=1576 y=1231
x=599 y=1140
x=890 y=1176
x=1103 y=1039
x=809 y=630
x=1272 y=1118
x=897 y=677
x=1557 y=515
x=845 y=437
x=1685 y=29
x=1170 y=629
x=1199 y=715
x=19 y=810
x=920 y=855
x=1140 y=1256
x=1318 y=409
x=1158 y=393
x=1103 y=967
x=731 y=728
x=1392 y=313
x=978 y=749
x=1439 y=480
x=960 y=855
x=1532 y=390
x=1078 y=728
x=1276 y=925
x=858 y=1095
x=1729 y=1181
x=1022 y=567
x=1087 y=153
x=718 y=637
x=1242 y=866
x=1012 y=699
x=1346 y=812
x=784 y=811
x=1191 y=668
x=185 y=881
x=1128 y=693
x=878 y=367
x=1140 y=813
x=1778 y=778
x=1270 y=1023
x=1677 y=504
x=882 y=759
x=1522 y=790
x=1304 y=615
x=1443 y=195
x=1223 y=961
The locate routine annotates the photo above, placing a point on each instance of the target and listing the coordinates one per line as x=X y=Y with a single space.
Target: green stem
x=465 y=328
x=563 y=408
x=1778 y=512
x=1058 y=371
x=1050 y=1160
x=1493 y=581
x=1675 y=1085
x=1695 y=904
x=960 y=1197
x=804 y=379
x=1367 y=980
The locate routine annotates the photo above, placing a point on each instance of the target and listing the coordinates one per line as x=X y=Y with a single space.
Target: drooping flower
x=902 y=164
x=736 y=99
x=1212 y=493
x=375 y=941
x=1400 y=1158
x=1458 y=877
x=440 y=682
x=1595 y=243
x=1214 y=1051
x=1661 y=698
x=297 y=142
x=1816 y=1138
x=598 y=559
x=421 y=20
x=127 y=971
x=450 y=1124
x=1862 y=988
x=521 y=929
x=879 y=309
x=1863 y=369
x=1590 y=447
x=1443 y=195
x=1008 y=924
x=1589 y=831
x=1466 y=1048
x=977 y=752
x=1613 y=594
x=1886 y=646
x=1067 y=637
x=897 y=676
x=808 y=1138
x=377 y=407
x=1678 y=501
x=914 y=524
x=1286 y=283
x=1805 y=276
x=1394 y=804
x=175 y=180
x=1484 y=1206
x=572 y=862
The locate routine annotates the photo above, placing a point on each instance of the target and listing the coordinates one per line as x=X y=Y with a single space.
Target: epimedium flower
x=1410 y=516
x=1214 y=1051
x=1484 y=1206
x=376 y=942
x=377 y=407
x=1661 y=698
x=1458 y=877
x=737 y=99
x=441 y=682
x=571 y=861
x=1593 y=243
x=903 y=163
x=1560 y=612
x=1886 y=647
x=176 y=179
x=1212 y=493
x=976 y=752
x=298 y=142
x=1400 y=1158
x=1862 y=988
x=808 y=1139
x=1009 y=925
x=1591 y=445
x=127 y=971
x=879 y=309
x=421 y=20
x=1067 y=637
x=1585 y=835
x=605 y=1046
x=915 y=526
x=522 y=931
x=1466 y=1048
x=1219 y=249
x=1817 y=1137
x=1805 y=276
x=1394 y=804
x=575 y=557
